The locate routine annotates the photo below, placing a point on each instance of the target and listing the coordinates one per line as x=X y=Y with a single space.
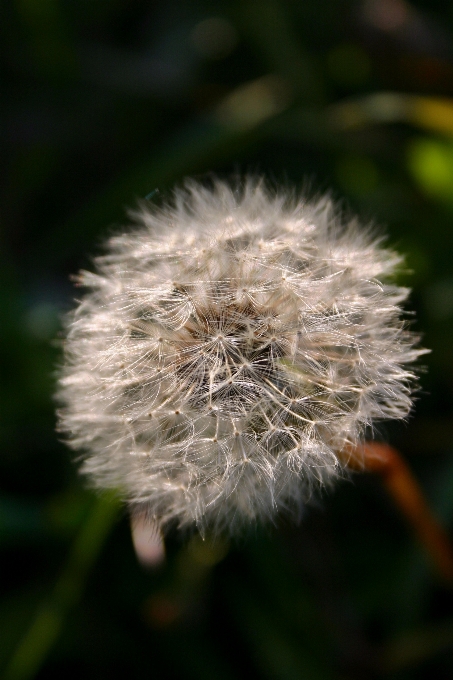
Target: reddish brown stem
x=403 y=487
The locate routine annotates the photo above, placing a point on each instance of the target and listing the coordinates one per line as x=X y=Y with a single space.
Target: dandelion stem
x=405 y=490
x=147 y=539
x=49 y=620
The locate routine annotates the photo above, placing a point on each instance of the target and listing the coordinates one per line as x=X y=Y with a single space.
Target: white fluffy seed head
x=228 y=351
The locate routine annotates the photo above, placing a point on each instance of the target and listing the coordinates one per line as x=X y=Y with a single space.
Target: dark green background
x=104 y=101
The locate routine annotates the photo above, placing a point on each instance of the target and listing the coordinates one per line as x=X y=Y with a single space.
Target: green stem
x=45 y=628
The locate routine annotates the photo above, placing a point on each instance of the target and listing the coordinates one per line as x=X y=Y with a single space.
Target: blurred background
x=105 y=101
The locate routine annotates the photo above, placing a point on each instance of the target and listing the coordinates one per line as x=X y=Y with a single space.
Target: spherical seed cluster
x=229 y=350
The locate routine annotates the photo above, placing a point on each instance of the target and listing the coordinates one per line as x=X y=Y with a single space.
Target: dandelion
x=231 y=348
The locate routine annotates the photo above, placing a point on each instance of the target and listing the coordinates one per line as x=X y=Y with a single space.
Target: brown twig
x=405 y=490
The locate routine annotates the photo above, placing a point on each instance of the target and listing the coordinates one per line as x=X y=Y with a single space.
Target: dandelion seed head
x=229 y=348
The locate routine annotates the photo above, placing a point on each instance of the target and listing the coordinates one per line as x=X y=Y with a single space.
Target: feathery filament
x=228 y=349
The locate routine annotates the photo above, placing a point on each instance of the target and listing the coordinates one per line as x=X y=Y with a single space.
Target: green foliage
x=102 y=103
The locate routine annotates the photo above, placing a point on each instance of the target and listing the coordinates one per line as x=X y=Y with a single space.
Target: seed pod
x=230 y=347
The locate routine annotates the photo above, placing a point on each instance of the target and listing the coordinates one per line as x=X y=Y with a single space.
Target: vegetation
x=106 y=102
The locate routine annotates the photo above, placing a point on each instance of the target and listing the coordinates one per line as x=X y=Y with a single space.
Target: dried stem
x=405 y=490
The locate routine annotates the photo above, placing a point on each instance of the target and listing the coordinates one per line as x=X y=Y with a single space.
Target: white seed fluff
x=229 y=349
